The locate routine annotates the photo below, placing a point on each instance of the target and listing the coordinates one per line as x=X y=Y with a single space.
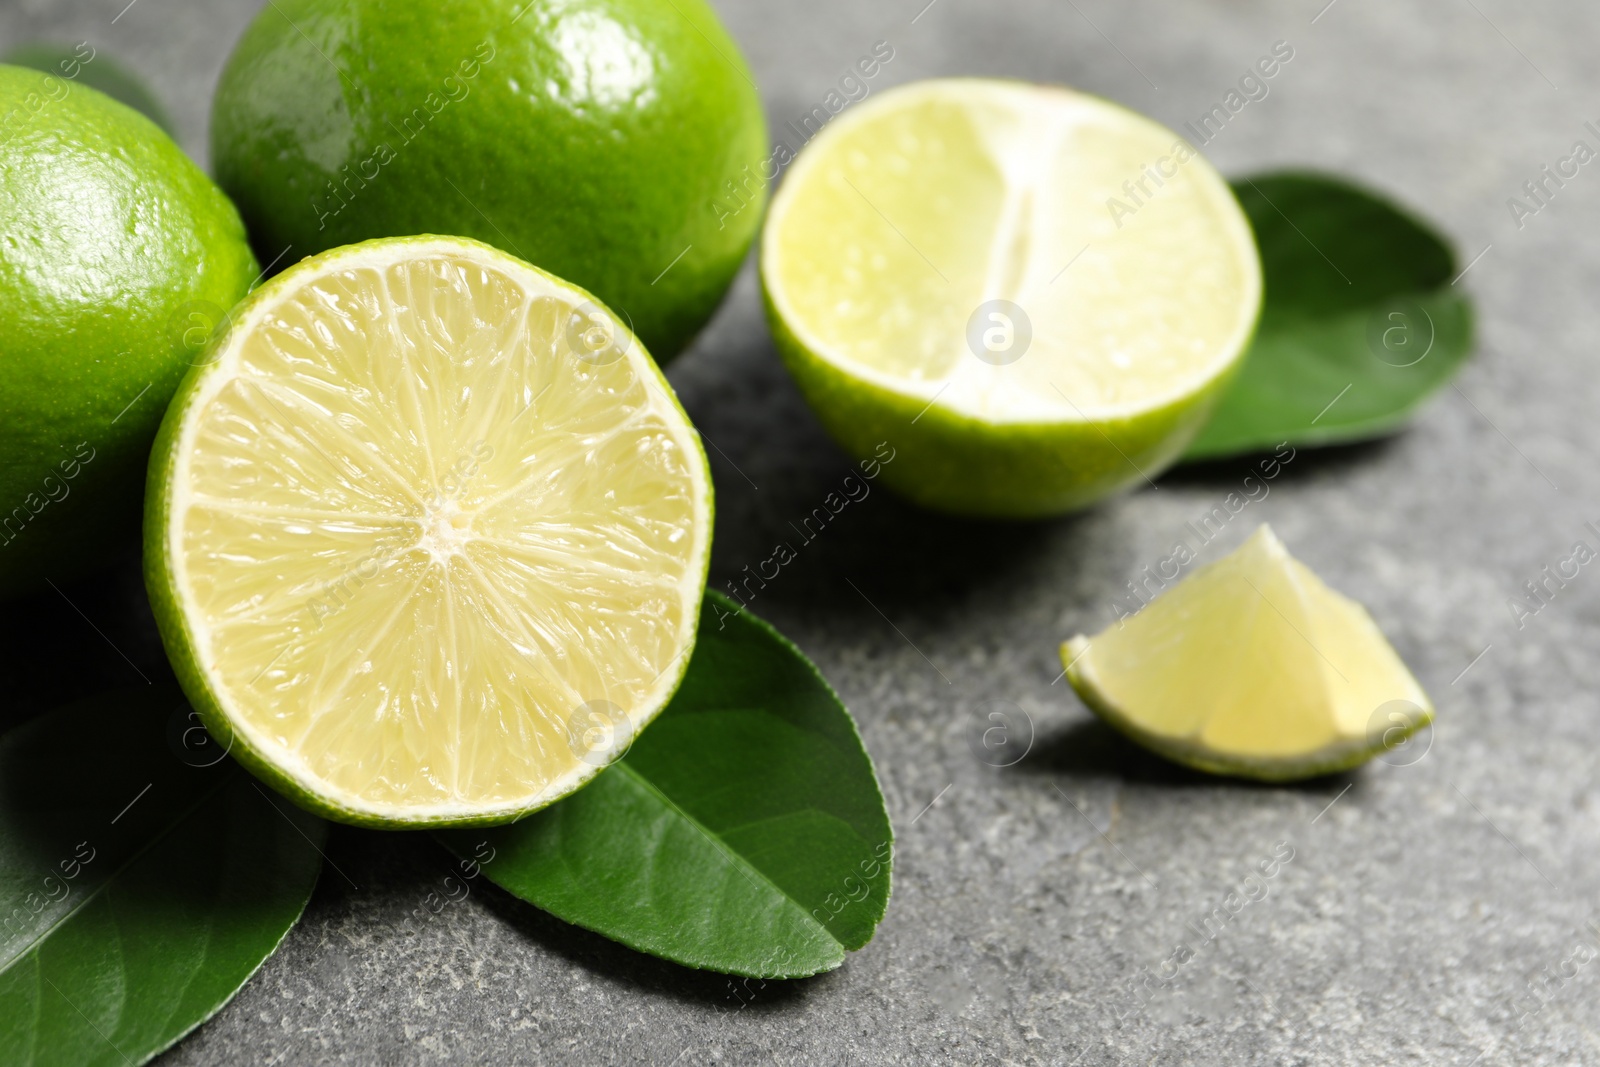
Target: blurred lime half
x=1034 y=296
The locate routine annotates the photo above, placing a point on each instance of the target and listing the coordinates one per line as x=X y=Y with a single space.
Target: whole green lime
x=616 y=143
x=118 y=258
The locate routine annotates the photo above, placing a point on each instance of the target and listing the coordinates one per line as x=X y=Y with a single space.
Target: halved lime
x=1033 y=296
x=427 y=534
x=1251 y=666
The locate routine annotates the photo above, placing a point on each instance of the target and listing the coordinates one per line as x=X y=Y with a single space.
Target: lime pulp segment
x=1251 y=665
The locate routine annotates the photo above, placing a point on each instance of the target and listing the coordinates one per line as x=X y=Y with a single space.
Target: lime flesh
x=948 y=270
x=1251 y=666
x=427 y=535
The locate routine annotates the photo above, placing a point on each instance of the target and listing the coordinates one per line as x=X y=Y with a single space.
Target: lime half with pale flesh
x=1035 y=297
x=427 y=534
x=1252 y=666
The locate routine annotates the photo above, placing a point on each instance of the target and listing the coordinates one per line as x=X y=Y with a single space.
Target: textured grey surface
x=1419 y=910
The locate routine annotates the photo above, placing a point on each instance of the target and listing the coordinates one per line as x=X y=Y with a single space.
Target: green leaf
x=138 y=891
x=1359 y=325
x=743 y=833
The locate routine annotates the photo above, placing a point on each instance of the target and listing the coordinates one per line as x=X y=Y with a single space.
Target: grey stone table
x=1423 y=903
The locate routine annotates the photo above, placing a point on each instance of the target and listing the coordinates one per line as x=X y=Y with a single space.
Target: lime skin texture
x=118 y=255
x=615 y=143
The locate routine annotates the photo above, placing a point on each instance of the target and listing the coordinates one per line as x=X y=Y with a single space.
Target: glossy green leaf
x=143 y=879
x=744 y=831
x=1360 y=321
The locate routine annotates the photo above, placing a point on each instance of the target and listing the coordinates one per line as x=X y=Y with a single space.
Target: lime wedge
x=1251 y=666
x=1034 y=296
x=426 y=534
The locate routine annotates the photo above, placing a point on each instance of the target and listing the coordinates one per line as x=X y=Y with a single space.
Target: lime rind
x=1346 y=757
x=951 y=462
